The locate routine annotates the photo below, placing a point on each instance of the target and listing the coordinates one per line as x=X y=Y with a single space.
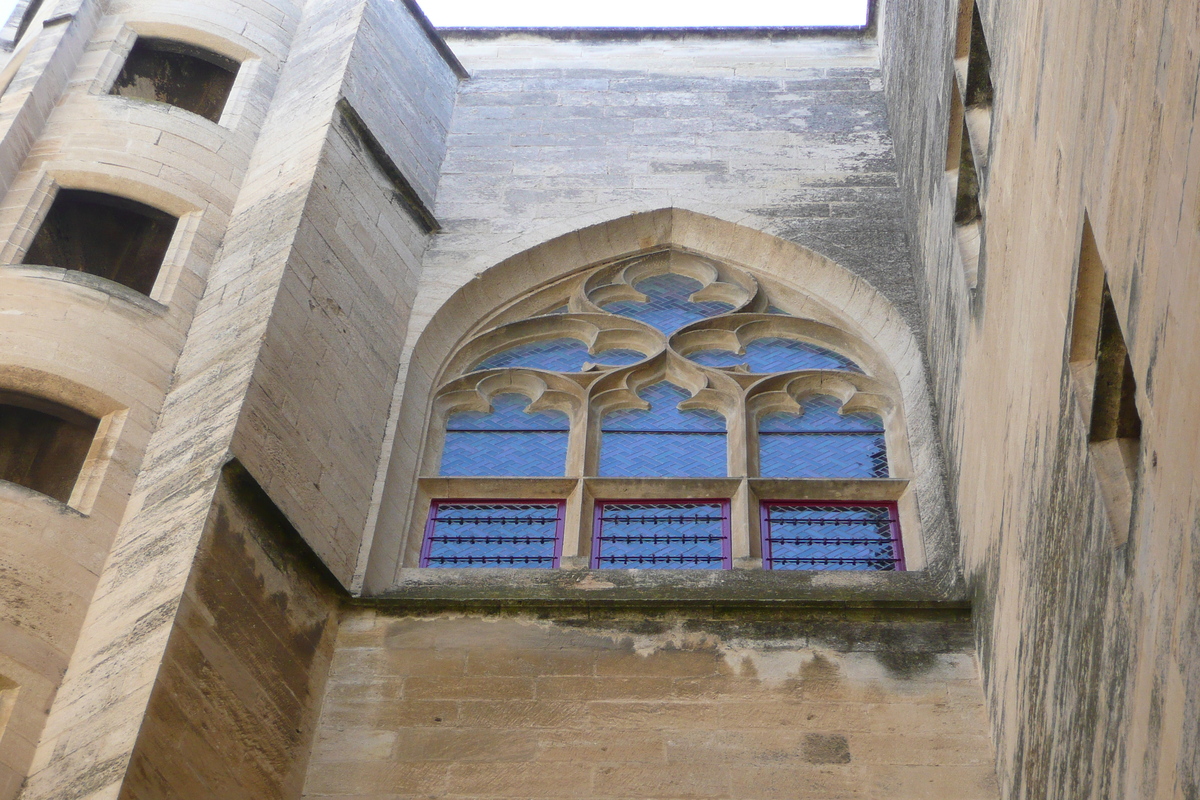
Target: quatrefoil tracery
x=601 y=338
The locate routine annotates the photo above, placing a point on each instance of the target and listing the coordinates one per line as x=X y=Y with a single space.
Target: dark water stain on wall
x=235 y=702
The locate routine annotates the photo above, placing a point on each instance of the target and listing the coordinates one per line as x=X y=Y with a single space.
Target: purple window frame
x=726 y=534
x=560 y=507
x=893 y=523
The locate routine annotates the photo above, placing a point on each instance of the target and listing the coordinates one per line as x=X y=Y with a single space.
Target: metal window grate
x=493 y=534
x=685 y=534
x=831 y=536
x=667 y=306
x=558 y=355
x=507 y=441
x=822 y=443
x=776 y=354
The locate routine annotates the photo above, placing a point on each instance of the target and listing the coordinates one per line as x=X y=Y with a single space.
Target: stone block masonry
x=811 y=705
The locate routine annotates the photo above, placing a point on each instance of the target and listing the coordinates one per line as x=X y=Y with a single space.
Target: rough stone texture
x=788 y=137
x=235 y=703
x=316 y=415
x=812 y=706
x=1090 y=651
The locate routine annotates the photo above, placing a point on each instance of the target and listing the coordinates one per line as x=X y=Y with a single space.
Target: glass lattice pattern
x=687 y=534
x=667 y=306
x=831 y=536
x=822 y=443
x=507 y=441
x=468 y=534
x=776 y=354
x=664 y=441
x=557 y=355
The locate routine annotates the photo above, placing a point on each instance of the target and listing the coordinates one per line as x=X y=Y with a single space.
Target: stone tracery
x=669 y=367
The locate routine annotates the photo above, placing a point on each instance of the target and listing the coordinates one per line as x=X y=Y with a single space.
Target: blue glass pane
x=821 y=443
x=821 y=413
x=773 y=354
x=513 y=454
x=508 y=414
x=660 y=536
x=664 y=441
x=505 y=442
x=664 y=414
x=829 y=537
x=492 y=535
x=560 y=310
x=667 y=306
x=558 y=355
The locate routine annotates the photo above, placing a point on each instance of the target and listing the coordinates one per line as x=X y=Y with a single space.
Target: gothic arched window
x=665 y=412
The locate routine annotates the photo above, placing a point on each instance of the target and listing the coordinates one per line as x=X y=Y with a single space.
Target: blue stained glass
x=774 y=354
x=667 y=306
x=506 y=441
x=681 y=535
x=664 y=441
x=558 y=355
x=493 y=535
x=822 y=443
x=830 y=537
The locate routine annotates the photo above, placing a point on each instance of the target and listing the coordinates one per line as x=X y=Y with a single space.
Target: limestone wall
x=317 y=415
x=1090 y=647
x=90 y=343
x=235 y=702
x=612 y=705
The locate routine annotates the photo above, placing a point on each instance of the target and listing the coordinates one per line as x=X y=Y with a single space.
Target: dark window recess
x=1114 y=409
x=966 y=205
x=42 y=444
x=114 y=238
x=979 y=66
x=178 y=74
x=1105 y=387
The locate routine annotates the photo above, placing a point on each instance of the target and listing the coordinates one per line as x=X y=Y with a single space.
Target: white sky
x=629 y=13
x=643 y=13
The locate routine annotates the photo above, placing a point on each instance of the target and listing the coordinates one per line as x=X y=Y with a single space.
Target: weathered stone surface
x=472 y=705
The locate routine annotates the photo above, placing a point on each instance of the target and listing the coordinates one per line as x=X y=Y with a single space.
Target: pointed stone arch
x=843 y=299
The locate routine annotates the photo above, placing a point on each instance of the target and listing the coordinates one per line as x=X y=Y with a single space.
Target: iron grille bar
x=509 y=534
x=507 y=430
x=667 y=433
x=804 y=540
x=652 y=538
x=490 y=559
x=679 y=519
x=485 y=539
x=821 y=433
x=828 y=521
x=494 y=520
x=836 y=560
x=667 y=559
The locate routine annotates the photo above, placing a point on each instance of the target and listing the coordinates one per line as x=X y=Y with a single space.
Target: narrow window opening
x=112 y=237
x=43 y=445
x=1105 y=386
x=177 y=74
x=970 y=136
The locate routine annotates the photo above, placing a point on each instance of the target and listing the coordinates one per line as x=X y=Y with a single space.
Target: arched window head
x=822 y=442
x=506 y=441
x=663 y=440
